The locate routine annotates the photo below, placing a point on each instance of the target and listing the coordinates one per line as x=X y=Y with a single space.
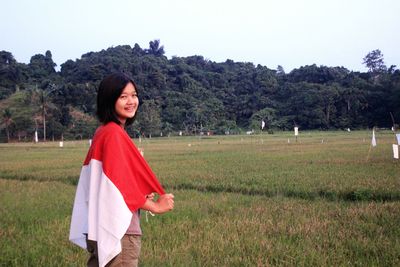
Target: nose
x=130 y=100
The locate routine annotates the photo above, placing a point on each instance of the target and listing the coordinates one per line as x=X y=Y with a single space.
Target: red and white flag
x=113 y=183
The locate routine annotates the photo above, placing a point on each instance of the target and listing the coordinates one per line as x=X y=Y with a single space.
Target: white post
x=373 y=141
x=395 y=151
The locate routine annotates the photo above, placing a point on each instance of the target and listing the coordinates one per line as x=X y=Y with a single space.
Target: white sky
x=291 y=33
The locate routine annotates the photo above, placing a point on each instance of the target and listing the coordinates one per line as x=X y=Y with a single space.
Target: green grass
x=240 y=201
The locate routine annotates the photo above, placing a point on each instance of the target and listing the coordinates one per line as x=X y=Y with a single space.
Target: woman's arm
x=163 y=204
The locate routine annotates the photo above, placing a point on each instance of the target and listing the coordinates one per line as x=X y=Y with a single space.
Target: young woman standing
x=115 y=182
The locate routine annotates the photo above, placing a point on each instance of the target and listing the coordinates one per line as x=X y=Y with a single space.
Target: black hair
x=110 y=89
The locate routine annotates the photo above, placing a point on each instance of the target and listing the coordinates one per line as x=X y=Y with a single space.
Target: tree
x=10 y=74
x=329 y=96
x=155 y=48
x=7 y=120
x=268 y=115
x=193 y=93
x=44 y=104
x=137 y=50
x=149 y=120
x=280 y=71
x=374 y=62
x=317 y=74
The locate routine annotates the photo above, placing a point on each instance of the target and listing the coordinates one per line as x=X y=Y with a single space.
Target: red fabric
x=124 y=165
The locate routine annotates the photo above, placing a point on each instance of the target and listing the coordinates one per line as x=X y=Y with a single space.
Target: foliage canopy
x=193 y=94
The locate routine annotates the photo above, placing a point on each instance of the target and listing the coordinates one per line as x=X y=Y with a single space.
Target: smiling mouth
x=130 y=109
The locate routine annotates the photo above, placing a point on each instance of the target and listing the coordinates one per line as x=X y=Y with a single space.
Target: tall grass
x=240 y=201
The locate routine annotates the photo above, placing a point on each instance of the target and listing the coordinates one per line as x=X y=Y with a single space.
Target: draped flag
x=113 y=183
x=373 y=141
x=262 y=124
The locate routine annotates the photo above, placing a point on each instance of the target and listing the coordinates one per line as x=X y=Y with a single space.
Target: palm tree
x=155 y=48
x=44 y=104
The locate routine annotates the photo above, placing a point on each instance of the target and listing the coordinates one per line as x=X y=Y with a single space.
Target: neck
x=122 y=123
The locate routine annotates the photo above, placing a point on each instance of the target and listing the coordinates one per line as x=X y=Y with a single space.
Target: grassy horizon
x=240 y=201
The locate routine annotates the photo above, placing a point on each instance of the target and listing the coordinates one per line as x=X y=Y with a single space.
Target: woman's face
x=127 y=103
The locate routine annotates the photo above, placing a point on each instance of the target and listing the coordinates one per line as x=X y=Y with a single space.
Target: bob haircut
x=110 y=89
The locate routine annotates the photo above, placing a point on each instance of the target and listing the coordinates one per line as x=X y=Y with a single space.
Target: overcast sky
x=290 y=33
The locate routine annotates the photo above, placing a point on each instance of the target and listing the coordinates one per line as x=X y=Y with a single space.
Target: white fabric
x=100 y=211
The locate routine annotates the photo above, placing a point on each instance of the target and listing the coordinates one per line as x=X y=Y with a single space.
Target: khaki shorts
x=129 y=255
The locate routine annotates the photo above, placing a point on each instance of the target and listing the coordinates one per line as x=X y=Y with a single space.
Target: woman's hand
x=163 y=204
x=150 y=196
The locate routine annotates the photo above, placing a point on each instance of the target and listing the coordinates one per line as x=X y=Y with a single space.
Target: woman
x=115 y=182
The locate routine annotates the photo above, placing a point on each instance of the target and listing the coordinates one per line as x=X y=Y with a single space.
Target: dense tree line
x=193 y=94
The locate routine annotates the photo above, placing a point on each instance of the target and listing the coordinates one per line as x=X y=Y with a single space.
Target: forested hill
x=193 y=94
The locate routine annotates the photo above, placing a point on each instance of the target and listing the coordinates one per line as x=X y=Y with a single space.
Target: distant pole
x=372 y=144
x=369 y=152
x=36 y=137
x=394 y=130
x=296 y=132
x=62 y=141
x=395 y=151
x=44 y=124
x=393 y=122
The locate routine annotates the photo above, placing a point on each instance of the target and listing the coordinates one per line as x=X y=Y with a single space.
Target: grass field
x=239 y=201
